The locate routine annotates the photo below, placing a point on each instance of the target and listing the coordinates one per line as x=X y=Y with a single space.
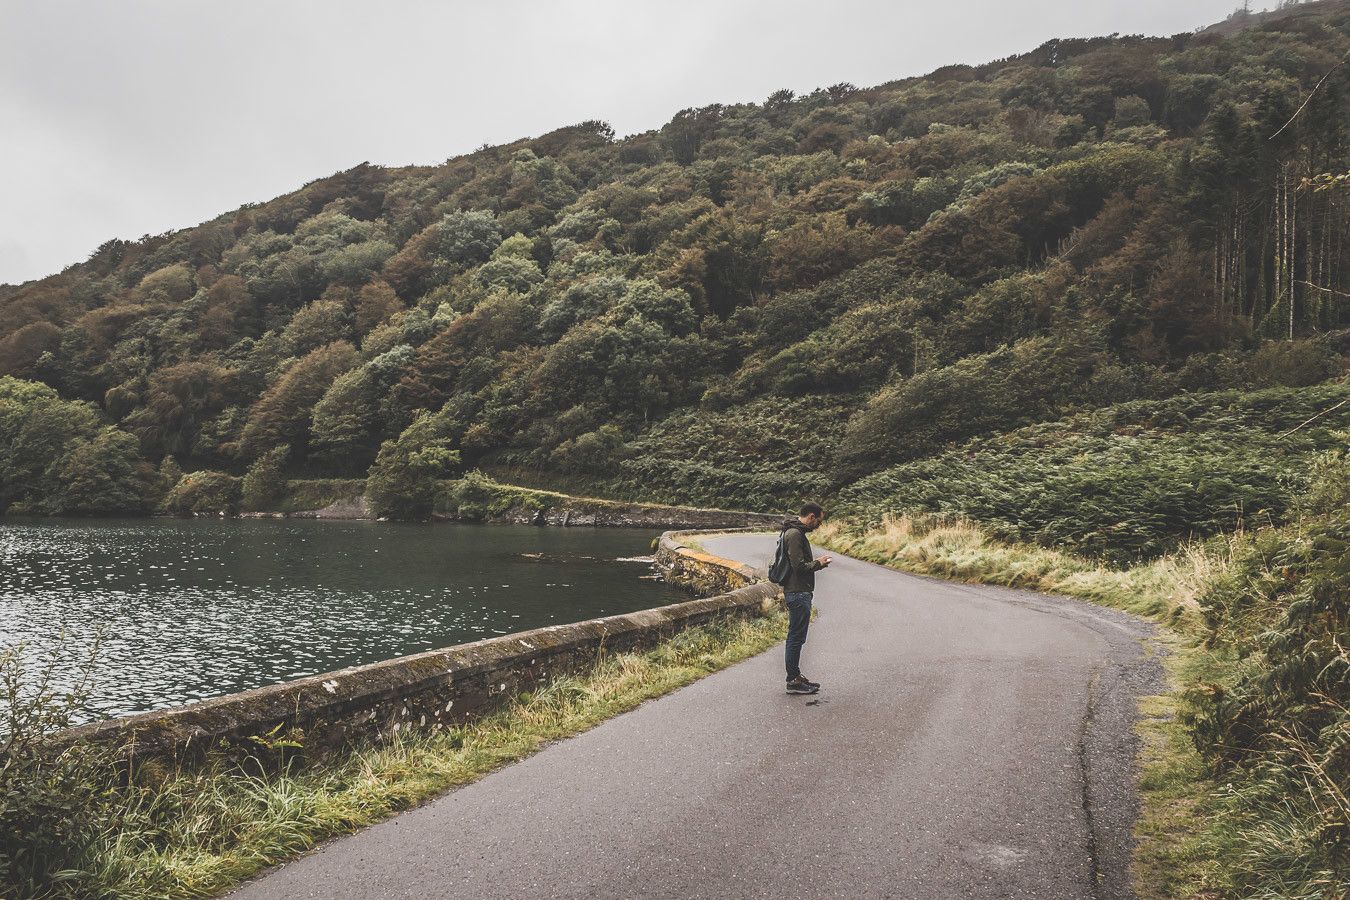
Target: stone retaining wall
x=434 y=687
x=612 y=514
x=699 y=570
x=557 y=510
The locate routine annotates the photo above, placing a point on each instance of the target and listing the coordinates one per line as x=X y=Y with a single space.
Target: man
x=798 y=588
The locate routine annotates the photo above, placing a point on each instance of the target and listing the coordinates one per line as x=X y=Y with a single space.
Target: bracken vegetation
x=1128 y=481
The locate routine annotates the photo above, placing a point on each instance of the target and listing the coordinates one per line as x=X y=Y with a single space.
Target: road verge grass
x=1170 y=856
x=1242 y=765
x=197 y=833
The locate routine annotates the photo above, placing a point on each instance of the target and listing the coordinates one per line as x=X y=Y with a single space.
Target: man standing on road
x=798 y=588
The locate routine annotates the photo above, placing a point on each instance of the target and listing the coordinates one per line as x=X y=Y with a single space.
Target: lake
x=196 y=608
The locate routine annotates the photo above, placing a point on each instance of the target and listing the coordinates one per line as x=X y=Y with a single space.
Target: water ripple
x=190 y=609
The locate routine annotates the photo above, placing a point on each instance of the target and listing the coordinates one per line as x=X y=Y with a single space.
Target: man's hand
x=825 y=561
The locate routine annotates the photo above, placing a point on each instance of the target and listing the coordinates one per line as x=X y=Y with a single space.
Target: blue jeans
x=799 y=619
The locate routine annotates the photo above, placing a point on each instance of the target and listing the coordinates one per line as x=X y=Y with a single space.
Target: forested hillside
x=752 y=303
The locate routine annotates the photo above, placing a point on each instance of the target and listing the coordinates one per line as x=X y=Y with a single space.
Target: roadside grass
x=198 y=833
x=1242 y=768
x=1174 y=853
x=1165 y=589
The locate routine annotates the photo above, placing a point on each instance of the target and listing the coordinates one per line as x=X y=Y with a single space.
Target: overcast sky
x=125 y=117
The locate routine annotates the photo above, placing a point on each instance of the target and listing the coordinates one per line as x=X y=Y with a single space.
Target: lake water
x=196 y=608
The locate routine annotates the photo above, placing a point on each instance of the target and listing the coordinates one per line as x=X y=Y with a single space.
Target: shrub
x=1330 y=476
x=402 y=482
x=1293 y=363
x=204 y=492
x=315 y=493
x=265 y=482
x=762 y=454
x=476 y=497
x=46 y=834
x=57 y=456
x=591 y=452
x=1282 y=725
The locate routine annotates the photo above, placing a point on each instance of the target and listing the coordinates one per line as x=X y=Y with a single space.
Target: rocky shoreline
x=565 y=513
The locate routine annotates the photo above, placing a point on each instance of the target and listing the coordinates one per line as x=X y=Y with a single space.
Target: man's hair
x=812 y=509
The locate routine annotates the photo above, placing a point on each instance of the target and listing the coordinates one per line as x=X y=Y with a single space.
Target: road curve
x=968 y=742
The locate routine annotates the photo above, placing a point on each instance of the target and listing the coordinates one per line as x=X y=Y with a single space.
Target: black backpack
x=782 y=563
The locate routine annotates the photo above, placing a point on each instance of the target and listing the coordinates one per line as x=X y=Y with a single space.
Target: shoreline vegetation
x=77 y=829
x=474 y=497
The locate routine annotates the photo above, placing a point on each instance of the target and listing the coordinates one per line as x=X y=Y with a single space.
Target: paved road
x=969 y=742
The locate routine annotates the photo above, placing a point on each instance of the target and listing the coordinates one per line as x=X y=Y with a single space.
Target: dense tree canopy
x=60 y=456
x=883 y=270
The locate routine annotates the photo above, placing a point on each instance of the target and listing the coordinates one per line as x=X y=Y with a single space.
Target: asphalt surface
x=968 y=742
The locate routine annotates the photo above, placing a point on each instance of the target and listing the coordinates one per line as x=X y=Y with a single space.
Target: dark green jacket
x=802 y=574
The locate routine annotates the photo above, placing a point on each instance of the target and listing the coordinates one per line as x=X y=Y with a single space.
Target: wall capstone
x=444 y=687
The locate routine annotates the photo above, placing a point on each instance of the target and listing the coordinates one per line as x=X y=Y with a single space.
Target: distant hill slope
x=754 y=301
x=1241 y=19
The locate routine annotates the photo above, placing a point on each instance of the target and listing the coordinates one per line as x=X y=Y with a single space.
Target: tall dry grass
x=1166 y=588
x=1224 y=813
